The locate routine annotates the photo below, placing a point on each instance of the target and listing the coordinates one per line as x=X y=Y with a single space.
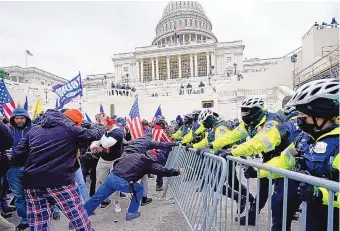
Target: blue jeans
x=82 y=185
x=110 y=185
x=14 y=176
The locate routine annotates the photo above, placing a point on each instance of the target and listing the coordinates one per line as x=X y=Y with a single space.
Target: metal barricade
x=198 y=190
x=210 y=193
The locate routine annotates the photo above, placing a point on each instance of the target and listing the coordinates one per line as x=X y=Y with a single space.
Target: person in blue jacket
x=49 y=156
x=135 y=162
x=20 y=125
x=6 y=143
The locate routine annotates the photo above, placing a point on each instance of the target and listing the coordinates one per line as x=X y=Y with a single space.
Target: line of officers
x=303 y=137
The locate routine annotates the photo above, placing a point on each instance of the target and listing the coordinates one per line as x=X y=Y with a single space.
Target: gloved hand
x=250 y=172
x=200 y=151
x=308 y=193
x=210 y=146
x=177 y=143
x=187 y=146
x=226 y=153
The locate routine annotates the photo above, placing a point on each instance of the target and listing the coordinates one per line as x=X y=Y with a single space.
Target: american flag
x=134 y=121
x=7 y=104
x=29 y=53
x=159 y=135
x=157 y=114
x=176 y=32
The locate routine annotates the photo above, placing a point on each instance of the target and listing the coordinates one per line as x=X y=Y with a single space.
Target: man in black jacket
x=127 y=170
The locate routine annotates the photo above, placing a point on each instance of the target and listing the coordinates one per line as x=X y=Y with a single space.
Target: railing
x=320 y=27
x=201 y=193
x=325 y=67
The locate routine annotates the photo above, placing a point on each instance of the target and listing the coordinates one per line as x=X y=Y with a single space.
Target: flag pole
x=26 y=59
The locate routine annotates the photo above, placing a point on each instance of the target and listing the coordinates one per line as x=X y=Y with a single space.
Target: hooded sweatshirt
x=17 y=132
x=49 y=151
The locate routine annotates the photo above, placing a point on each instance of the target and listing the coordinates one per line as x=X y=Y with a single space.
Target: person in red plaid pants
x=49 y=156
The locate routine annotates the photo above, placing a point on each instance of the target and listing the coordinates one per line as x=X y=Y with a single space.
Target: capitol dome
x=190 y=21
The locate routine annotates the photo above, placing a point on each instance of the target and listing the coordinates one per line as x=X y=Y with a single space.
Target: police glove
x=226 y=153
x=309 y=193
x=201 y=151
x=250 y=172
x=187 y=146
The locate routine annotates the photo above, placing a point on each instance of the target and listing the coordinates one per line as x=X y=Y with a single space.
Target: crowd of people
x=46 y=162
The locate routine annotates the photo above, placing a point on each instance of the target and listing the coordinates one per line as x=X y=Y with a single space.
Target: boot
x=6 y=215
x=8 y=209
x=159 y=188
x=104 y=204
x=146 y=201
x=21 y=227
x=251 y=218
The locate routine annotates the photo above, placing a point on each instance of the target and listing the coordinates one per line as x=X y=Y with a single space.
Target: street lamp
x=235 y=66
x=293 y=60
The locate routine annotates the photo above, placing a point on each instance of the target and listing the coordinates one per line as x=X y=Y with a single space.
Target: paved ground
x=161 y=214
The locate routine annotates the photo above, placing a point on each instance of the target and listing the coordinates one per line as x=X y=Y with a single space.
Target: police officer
x=316 y=150
x=254 y=120
x=218 y=127
x=184 y=129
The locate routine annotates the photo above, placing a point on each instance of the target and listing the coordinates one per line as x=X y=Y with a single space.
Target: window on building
x=200 y=24
x=180 y=22
x=202 y=64
x=190 y=22
x=170 y=25
x=185 y=22
x=195 y=23
x=208 y=104
x=126 y=69
x=228 y=59
x=185 y=66
x=162 y=68
x=174 y=67
x=147 y=70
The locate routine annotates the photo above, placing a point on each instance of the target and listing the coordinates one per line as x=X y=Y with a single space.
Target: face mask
x=304 y=126
x=251 y=116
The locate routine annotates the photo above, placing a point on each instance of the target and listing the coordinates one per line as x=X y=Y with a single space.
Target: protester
x=6 y=143
x=20 y=126
x=55 y=166
x=109 y=148
x=127 y=170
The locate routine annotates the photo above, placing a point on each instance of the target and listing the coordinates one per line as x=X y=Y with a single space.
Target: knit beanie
x=75 y=115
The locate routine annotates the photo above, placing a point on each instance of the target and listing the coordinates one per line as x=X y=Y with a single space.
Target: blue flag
x=56 y=104
x=69 y=90
x=26 y=104
x=87 y=118
x=101 y=109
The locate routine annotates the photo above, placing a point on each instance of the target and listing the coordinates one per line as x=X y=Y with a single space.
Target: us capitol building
x=184 y=46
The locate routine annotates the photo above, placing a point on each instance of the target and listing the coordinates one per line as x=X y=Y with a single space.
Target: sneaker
x=122 y=195
x=104 y=204
x=146 y=201
x=21 y=227
x=56 y=216
x=8 y=209
x=118 y=209
x=251 y=219
x=131 y=216
x=6 y=215
x=151 y=176
x=159 y=188
x=243 y=205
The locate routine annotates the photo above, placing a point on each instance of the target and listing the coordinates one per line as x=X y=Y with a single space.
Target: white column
x=137 y=72
x=153 y=68
x=191 y=66
x=190 y=38
x=213 y=62
x=179 y=67
x=141 y=71
x=196 y=67
x=157 y=69
x=208 y=63
x=168 y=65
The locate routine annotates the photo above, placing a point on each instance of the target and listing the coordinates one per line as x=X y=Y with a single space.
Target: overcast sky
x=67 y=37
